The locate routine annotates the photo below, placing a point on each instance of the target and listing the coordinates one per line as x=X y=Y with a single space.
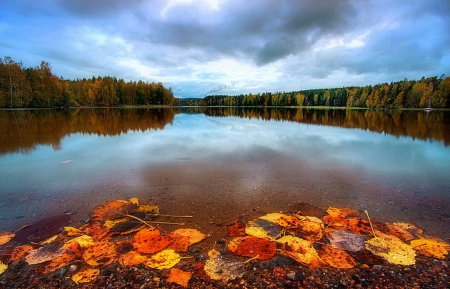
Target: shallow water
x=221 y=164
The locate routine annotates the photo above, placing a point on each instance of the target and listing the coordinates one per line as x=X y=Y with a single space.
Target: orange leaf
x=150 y=241
x=6 y=237
x=337 y=258
x=194 y=235
x=250 y=246
x=19 y=252
x=132 y=258
x=179 y=276
x=96 y=230
x=72 y=251
x=179 y=243
x=236 y=229
x=342 y=212
x=112 y=209
x=101 y=253
x=85 y=275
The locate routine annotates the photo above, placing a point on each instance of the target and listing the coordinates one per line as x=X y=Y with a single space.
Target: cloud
x=252 y=46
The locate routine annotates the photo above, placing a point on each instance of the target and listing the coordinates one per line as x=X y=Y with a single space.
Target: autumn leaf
x=150 y=241
x=222 y=269
x=132 y=258
x=213 y=253
x=300 y=250
x=394 y=251
x=5 y=238
x=337 y=258
x=179 y=243
x=163 y=260
x=310 y=228
x=112 y=209
x=194 y=235
x=250 y=246
x=96 y=230
x=263 y=229
x=347 y=241
x=84 y=241
x=72 y=251
x=179 y=277
x=399 y=232
x=3 y=267
x=282 y=220
x=20 y=252
x=430 y=248
x=72 y=232
x=148 y=209
x=342 y=212
x=86 y=275
x=236 y=229
x=412 y=228
x=101 y=253
x=43 y=254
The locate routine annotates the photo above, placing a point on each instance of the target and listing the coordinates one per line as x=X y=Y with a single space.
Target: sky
x=204 y=47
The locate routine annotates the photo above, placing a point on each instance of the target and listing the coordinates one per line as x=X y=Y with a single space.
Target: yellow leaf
x=282 y=220
x=134 y=201
x=149 y=209
x=337 y=258
x=71 y=231
x=49 y=240
x=394 y=251
x=263 y=229
x=301 y=251
x=222 y=269
x=102 y=253
x=3 y=267
x=213 y=253
x=6 y=237
x=111 y=223
x=132 y=258
x=85 y=275
x=342 y=212
x=194 y=235
x=179 y=276
x=163 y=260
x=295 y=244
x=84 y=241
x=429 y=247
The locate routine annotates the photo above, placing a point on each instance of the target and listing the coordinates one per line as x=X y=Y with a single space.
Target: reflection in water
x=23 y=130
x=225 y=163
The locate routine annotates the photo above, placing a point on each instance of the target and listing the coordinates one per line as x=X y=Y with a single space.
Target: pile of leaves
x=125 y=232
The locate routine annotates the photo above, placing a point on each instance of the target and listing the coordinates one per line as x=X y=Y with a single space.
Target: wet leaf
x=263 y=229
x=49 y=240
x=150 y=241
x=236 y=229
x=250 y=246
x=126 y=225
x=354 y=225
x=337 y=258
x=3 y=267
x=399 y=232
x=85 y=275
x=430 y=248
x=412 y=228
x=342 y=212
x=394 y=251
x=43 y=254
x=72 y=251
x=163 y=260
x=179 y=276
x=72 y=232
x=222 y=269
x=307 y=210
x=310 y=228
x=134 y=201
x=213 y=253
x=282 y=220
x=96 y=230
x=301 y=251
x=179 y=243
x=20 y=252
x=84 y=241
x=42 y=229
x=347 y=241
x=102 y=253
x=112 y=209
x=194 y=235
x=5 y=238
x=148 y=209
x=132 y=258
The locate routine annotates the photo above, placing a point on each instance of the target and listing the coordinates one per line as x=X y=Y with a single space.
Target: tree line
x=431 y=91
x=38 y=87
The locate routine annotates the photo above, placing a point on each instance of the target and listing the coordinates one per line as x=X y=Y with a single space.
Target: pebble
x=290 y=276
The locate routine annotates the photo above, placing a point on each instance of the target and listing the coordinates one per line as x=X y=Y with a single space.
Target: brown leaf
x=179 y=276
x=307 y=210
x=20 y=252
x=112 y=209
x=236 y=229
x=336 y=258
x=179 y=243
x=72 y=251
x=42 y=229
x=250 y=246
x=96 y=230
x=43 y=254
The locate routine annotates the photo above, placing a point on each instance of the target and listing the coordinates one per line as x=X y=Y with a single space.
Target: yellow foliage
x=85 y=275
x=258 y=232
x=282 y=220
x=132 y=258
x=394 y=251
x=71 y=231
x=134 y=201
x=430 y=248
x=6 y=237
x=149 y=209
x=3 y=267
x=84 y=241
x=194 y=235
x=179 y=276
x=163 y=260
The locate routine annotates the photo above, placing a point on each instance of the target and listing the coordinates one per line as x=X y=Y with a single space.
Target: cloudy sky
x=201 y=47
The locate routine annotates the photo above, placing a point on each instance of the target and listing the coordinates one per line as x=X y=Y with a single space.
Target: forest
x=428 y=92
x=22 y=87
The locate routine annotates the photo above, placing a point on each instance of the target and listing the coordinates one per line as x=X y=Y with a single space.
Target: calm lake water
x=220 y=164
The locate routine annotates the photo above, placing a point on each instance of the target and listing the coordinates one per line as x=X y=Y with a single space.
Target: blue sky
x=230 y=47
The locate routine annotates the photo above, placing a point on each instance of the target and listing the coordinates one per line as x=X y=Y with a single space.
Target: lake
x=222 y=164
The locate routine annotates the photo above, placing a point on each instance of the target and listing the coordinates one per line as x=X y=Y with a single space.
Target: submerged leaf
x=43 y=254
x=263 y=229
x=132 y=258
x=150 y=241
x=6 y=237
x=347 y=241
x=72 y=250
x=194 y=235
x=394 y=251
x=337 y=258
x=3 y=267
x=236 y=229
x=222 y=269
x=19 y=252
x=72 y=232
x=179 y=276
x=282 y=220
x=430 y=248
x=250 y=246
x=301 y=251
x=342 y=212
x=42 y=229
x=163 y=260
x=112 y=209
x=101 y=253
x=85 y=275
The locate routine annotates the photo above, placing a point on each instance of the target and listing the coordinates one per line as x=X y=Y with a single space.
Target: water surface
x=220 y=164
